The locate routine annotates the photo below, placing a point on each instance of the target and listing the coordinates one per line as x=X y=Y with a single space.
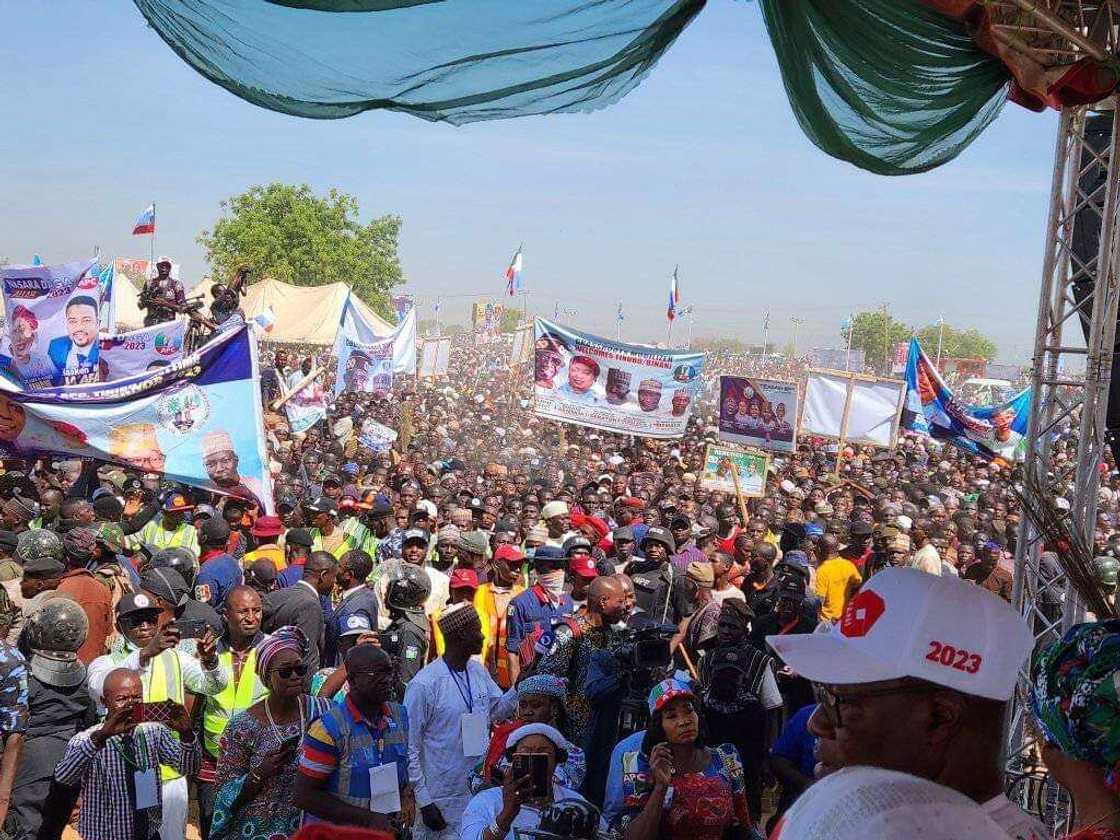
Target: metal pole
x=796 y=323
x=152 y=243
x=618 y=320
x=765 y=331
x=940 y=336
x=439 y=330
x=691 y=321
x=851 y=329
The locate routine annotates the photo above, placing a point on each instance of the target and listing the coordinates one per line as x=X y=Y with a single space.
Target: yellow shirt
x=837 y=580
x=266 y=552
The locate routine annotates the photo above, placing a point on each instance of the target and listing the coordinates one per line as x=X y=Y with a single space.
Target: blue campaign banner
x=628 y=388
x=198 y=421
x=140 y=351
x=993 y=432
x=53 y=313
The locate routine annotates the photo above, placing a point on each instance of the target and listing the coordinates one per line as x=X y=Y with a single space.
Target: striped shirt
x=108 y=809
x=342 y=745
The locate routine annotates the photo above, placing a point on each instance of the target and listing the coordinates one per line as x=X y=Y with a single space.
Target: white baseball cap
x=876 y=804
x=907 y=623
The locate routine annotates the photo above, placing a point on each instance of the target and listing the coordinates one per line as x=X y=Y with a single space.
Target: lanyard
x=467 y=698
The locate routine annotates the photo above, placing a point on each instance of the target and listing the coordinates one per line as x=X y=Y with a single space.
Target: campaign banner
x=758 y=412
x=838 y=359
x=306 y=406
x=522 y=348
x=197 y=421
x=752 y=467
x=401 y=304
x=435 y=357
x=852 y=408
x=366 y=362
x=627 y=388
x=375 y=436
x=53 y=313
x=141 y=351
x=993 y=432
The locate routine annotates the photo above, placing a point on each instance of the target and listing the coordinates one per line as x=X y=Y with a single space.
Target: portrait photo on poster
x=758 y=412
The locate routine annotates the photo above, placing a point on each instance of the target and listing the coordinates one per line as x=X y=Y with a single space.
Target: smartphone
x=191 y=628
x=159 y=712
x=534 y=765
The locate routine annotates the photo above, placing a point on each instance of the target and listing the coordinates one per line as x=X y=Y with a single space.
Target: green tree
x=955 y=343
x=287 y=232
x=510 y=319
x=876 y=333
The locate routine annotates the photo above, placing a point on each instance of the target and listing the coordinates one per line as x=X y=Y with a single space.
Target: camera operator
x=574 y=639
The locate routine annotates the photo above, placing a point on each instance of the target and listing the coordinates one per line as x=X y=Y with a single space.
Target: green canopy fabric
x=888 y=85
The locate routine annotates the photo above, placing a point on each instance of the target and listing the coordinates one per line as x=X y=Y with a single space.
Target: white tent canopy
x=304 y=314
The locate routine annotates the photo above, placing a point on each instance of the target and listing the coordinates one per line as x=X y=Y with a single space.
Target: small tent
x=304 y=314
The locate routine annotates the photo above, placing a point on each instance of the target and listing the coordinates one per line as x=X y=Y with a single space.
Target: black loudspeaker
x=1085 y=246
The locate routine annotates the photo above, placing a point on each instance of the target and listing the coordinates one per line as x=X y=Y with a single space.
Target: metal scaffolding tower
x=1076 y=292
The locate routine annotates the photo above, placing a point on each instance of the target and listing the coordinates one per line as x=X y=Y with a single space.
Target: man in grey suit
x=301 y=604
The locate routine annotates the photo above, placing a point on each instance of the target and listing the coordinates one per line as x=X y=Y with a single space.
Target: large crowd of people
x=500 y=624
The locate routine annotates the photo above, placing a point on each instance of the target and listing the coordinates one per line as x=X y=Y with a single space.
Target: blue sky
x=702 y=166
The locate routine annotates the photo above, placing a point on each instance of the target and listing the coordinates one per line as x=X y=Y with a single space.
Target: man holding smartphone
x=166 y=673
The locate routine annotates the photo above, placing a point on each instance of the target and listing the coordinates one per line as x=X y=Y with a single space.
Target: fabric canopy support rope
x=451 y=60
x=888 y=85
x=891 y=86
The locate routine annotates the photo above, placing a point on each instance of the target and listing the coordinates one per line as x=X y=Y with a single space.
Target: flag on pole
x=266 y=320
x=147 y=221
x=620 y=316
x=674 y=295
x=513 y=274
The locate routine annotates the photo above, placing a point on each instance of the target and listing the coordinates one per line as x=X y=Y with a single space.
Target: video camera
x=644 y=659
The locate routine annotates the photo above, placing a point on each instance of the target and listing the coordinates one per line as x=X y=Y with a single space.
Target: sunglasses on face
x=287 y=672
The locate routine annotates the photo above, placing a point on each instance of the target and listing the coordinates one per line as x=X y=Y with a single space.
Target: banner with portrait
x=53 y=314
x=752 y=468
x=376 y=437
x=305 y=401
x=197 y=421
x=366 y=371
x=627 y=388
x=141 y=351
x=758 y=412
x=993 y=432
x=852 y=408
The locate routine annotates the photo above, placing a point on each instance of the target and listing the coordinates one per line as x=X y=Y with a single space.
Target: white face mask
x=552 y=582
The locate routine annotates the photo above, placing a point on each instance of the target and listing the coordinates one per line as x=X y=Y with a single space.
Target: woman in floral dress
x=260 y=747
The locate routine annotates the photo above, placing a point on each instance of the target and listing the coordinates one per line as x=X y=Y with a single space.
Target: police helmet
x=55 y=631
x=409 y=588
x=38 y=543
x=1107 y=570
x=572 y=543
x=661 y=535
x=572 y=818
x=181 y=560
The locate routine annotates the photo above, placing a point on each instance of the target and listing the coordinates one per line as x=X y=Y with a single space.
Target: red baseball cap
x=583 y=566
x=463 y=579
x=508 y=553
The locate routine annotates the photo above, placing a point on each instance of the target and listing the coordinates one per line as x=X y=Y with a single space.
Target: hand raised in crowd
x=118 y=722
x=515 y=792
x=180 y=721
x=208 y=650
x=165 y=638
x=661 y=762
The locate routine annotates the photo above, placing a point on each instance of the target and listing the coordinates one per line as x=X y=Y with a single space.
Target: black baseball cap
x=299 y=536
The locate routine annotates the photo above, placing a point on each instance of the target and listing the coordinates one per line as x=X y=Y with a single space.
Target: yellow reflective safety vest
x=166 y=683
x=236 y=697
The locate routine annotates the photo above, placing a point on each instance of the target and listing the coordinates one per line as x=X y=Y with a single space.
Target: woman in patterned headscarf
x=1076 y=703
x=259 y=751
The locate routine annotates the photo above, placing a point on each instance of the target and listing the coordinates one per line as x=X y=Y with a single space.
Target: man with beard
x=221 y=461
x=237 y=658
x=159 y=291
x=557 y=518
x=623 y=544
x=76 y=354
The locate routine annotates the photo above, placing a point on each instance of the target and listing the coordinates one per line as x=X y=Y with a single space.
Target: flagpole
x=848 y=358
x=152 y=258
x=940 y=334
x=618 y=320
x=669 y=337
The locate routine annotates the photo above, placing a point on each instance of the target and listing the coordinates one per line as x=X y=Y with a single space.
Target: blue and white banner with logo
x=991 y=432
x=197 y=421
x=367 y=361
x=628 y=388
x=307 y=406
x=53 y=313
x=141 y=351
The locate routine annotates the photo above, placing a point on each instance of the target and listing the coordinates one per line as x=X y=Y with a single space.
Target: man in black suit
x=301 y=605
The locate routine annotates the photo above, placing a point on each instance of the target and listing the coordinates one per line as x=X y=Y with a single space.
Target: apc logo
x=863 y=611
x=167 y=345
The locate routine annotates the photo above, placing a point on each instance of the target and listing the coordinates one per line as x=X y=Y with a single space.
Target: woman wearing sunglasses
x=260 y=747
